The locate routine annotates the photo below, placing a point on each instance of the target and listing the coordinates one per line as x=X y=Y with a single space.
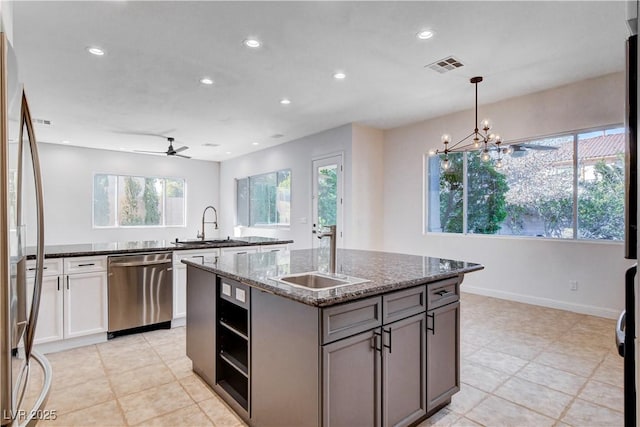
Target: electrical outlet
x=573 y=285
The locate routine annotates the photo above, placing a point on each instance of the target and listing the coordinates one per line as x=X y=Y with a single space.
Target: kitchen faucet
x=200 y=235
x=331 y=234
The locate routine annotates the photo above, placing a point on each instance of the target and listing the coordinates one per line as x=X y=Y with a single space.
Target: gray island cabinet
x=378 y=352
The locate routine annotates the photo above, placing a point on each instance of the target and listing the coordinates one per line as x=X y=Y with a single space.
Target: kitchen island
x=378 y=347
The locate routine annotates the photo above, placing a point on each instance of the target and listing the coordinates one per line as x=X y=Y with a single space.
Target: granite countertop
x=384 y=271
x=112 y=248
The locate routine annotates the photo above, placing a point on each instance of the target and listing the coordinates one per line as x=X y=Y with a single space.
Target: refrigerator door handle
x=25 y=119
x=620 y=333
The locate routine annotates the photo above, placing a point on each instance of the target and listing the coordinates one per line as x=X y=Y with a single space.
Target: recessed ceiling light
x=206 y=81
x=66 y=142
x=285 y=101
x=227 y=152
x=94 y=50
x=252 y=43
x=255 y=143
x=339 y=75
x=425 y=34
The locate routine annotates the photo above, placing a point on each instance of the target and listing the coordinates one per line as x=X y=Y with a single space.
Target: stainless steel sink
x=200 y=242
x=316 y=281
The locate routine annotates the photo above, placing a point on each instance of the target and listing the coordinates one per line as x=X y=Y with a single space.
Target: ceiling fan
x=170 y=150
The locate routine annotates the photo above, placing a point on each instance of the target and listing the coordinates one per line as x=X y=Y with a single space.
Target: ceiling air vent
x=446 y=64
x=41 y=122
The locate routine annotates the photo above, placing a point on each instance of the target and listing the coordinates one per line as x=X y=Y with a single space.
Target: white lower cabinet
x=180 y=276
x=71 y=305
x=49 y=326
x=85 y=304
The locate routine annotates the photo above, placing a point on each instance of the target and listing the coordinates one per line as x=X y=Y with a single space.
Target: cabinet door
x=49 y=325
x=351 y=381
x=404 y=371
x=85 y=304
x=443 y=355
x=179 y=291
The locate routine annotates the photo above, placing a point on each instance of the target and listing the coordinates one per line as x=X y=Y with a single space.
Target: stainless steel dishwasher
x=140 y=290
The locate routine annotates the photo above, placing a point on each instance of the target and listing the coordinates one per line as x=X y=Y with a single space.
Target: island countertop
x=384 y=272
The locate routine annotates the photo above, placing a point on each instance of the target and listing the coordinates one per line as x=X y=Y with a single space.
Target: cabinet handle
x=241 y=253
x=58 y=282
x=67 y=282
x=376 y=335
x=87 y=265
x=34 y=268
x=383 y=344
x=443 y=293
x=433 y=323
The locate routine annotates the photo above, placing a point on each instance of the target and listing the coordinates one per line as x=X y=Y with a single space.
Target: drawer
x=52 y=267
x=274 y=248
x=239 y=250
x=85 y=264
x=234 y=291
x=348 y=319
x=208 y=255
x=402 y=304
x=442 y=293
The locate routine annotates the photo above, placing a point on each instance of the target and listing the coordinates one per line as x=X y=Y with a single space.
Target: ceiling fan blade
x=182 y=155
x=150 y=152
x=184 y=147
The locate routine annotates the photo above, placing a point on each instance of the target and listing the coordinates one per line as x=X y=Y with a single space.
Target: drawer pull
x=433 y=323
x=67 y=282
x=383 y=344
x=87 y=265
x=444 y=293
x=241 y=253
x=374 y=344
x=34 y=268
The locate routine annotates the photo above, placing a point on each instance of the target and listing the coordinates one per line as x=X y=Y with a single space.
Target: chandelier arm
x=461 y=141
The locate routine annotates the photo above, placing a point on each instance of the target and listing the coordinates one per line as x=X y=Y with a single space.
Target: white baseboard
x=55 y=346
x=179 y=321
x=544 y=302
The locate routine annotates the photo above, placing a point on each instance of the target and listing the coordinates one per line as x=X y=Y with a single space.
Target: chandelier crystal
x=481 y=139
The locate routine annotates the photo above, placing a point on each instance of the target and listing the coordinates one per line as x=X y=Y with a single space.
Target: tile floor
x=522 y=365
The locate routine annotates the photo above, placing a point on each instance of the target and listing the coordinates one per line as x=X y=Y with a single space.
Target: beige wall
x=367 y=181
x=524 y=269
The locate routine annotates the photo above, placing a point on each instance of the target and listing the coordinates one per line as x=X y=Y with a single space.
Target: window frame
x=278 y=225
x=117 y=207
x=575 y=187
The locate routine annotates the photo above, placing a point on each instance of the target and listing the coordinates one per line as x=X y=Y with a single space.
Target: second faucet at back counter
x=201 y=234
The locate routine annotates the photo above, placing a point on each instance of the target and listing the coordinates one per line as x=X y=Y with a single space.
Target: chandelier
x=482 y=139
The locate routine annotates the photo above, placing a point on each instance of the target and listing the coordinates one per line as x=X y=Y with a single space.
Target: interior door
x=327 y=198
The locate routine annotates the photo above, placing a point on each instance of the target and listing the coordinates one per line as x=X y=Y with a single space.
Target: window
x=264 y=200
x=564 y=186
x=135 y=201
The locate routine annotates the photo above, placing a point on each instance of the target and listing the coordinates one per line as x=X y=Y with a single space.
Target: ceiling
x=148 y=82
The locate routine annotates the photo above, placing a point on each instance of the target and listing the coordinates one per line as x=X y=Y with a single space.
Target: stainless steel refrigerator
x=25 y=375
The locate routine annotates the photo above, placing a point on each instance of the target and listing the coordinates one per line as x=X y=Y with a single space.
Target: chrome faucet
x=331 y=234
x=200 y=234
